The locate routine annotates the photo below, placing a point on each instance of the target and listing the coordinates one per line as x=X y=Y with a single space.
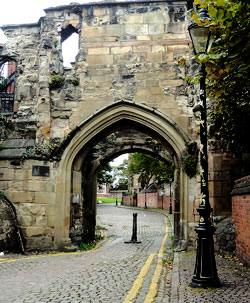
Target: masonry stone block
x=155 y=29
x=99 y=51
x=7 y=174
x=100 y=60
x=93 y=32
x=156 y=18
x=121 y=50
x=154 y=57
x=51 y=221
x=26 y=220
x=133 y=19
x=142 y=49
x=99 y=11
x=19 y=196
x=136 y=29
x=143 y=38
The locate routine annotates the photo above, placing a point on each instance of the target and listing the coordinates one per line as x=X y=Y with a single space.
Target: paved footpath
x=115 y=272
x=235 y=279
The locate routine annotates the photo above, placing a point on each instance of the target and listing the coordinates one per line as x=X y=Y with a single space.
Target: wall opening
x=97 y=155
x=77 y=172
x=70 y=45
x=7 y=86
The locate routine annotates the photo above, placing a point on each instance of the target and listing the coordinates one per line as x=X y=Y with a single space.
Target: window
x=7 y=86
x=70 y=45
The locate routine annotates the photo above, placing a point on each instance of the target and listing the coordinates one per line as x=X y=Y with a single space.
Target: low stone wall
x=224 y=234
x=241 y=217
x=33 y=198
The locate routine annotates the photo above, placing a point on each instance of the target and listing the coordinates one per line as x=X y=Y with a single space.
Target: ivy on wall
x=228 y=70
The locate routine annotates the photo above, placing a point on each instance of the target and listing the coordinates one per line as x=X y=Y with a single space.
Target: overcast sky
x=27 y=11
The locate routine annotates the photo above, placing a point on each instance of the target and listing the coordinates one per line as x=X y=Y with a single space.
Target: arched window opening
x=70 y=45
x=7 y=86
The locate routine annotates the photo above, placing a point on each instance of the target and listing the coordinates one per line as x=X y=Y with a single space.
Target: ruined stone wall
x=34 y=200
x=127 y=51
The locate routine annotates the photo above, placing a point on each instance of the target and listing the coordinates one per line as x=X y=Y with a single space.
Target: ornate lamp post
x=205 y=273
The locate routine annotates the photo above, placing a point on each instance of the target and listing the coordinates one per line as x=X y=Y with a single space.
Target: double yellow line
x=153 y=288
x=96 y=248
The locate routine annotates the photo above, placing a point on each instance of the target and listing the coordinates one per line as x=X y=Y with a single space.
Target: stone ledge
x=241 y=186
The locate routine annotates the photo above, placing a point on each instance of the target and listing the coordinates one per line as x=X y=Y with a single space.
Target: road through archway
x=107 y=274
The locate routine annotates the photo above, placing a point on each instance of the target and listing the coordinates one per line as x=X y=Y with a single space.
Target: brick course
x=241 y=216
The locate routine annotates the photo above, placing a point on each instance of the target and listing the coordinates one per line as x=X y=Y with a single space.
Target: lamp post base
x=205 y=273
x=205 y=283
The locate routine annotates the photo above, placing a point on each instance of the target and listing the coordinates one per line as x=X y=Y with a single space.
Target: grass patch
x=108 y=200
x=98 y=227
x=91 y=245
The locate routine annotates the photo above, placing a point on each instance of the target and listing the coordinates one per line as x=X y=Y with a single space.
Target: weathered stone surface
x=126 y=52
x=224 y=235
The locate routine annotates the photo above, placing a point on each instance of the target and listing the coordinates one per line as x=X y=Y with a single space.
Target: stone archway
x=103 y=121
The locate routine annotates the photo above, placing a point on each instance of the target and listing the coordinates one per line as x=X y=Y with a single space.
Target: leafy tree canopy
x=228 y=68
x=150 y=169
x=121 y=176
x=105 y=175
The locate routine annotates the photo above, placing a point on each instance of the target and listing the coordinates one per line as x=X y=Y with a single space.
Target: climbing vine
x=42 y=149
x=228 y=70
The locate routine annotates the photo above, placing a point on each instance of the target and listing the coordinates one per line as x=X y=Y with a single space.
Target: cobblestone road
x=104 y=275
x=235 y=279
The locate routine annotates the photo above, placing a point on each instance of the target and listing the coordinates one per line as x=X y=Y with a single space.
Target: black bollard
x=134 y=231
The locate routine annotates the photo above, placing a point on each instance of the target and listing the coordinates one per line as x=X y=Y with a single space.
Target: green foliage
x=150 y=169
x=56 y=81
x=75 y=81
x=2 y=196
x=105 y=175
x=228 y=69
x=92 y=244
x=7 y=126
x=190 y=164
x=42 y=149
x=108 y=200
x=120 y=173
x=2 y=83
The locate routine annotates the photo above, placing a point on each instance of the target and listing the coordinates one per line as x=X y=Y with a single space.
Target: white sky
x=30 y=11
x=117 y=161
x=27 y=11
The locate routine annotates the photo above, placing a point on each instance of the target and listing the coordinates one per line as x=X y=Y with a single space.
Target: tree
x=150 y=169
x=120 y=174
x=105 y=175
x=228 y=70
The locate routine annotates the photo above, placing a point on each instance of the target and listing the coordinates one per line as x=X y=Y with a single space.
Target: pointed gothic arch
x=103 y=121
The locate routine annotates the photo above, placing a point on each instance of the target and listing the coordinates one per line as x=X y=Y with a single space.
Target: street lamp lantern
x=205 y=273
x=201 y=35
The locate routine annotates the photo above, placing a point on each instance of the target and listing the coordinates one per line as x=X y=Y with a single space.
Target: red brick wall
x=165 y=202
x=127 y=200
x=153 y=201
x=241 y=217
